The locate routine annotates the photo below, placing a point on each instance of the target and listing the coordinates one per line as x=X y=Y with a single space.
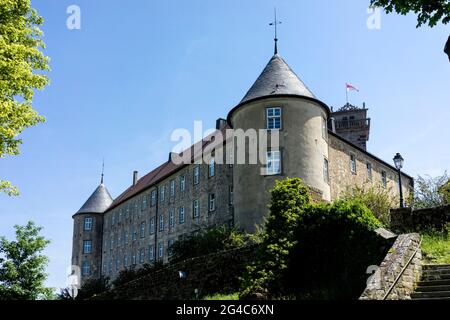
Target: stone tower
x=88 y=234
x=352 y=124
x=279 y=100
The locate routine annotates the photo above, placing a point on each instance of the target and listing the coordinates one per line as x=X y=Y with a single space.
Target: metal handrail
x=403 y=270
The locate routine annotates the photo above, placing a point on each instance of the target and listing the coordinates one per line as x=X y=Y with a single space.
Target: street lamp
x=398 y=161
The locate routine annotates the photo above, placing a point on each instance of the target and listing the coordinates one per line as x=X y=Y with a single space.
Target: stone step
x=434 y=272
x=434 y=294
x=435 y=266
x=425 y=299
x=433 y=288
x=435 y=277
x=434 y=283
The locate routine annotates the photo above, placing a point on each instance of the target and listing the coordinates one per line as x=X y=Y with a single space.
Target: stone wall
x=396 y=277
x=208 y=275
x=342 y=177
x=430 y=219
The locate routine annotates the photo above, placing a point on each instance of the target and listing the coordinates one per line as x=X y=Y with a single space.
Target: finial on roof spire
x=103 y=171
x=275 y=23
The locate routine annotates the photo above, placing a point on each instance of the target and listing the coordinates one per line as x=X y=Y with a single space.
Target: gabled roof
x=277 y=78
x=98 y=202
x=167 y=169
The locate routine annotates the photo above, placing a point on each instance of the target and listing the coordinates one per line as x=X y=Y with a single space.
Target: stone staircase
x=435 y=283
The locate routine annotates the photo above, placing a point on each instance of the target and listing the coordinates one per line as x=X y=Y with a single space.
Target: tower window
x=88 y=224
x=182 y=216
x=353 y=163
x=86 y=268
x=324 y=128
x=326 y=172
x=273 y=163
x=212 y=202
x=195 y=209
x=196 y=175
x=212 y=168
x=274 y=118
x=87 y=246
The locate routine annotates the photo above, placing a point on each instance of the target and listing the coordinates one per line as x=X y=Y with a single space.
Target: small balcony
x=352 y=124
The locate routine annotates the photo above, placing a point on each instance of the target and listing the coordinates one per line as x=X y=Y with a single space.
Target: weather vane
x=275 y=23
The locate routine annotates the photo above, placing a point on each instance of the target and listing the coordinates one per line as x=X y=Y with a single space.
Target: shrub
x=288 y=199
x=131 y=273
x=207 y=242
x=90 y=288
x=335 y=243
x=378 y=200
x=431 y=191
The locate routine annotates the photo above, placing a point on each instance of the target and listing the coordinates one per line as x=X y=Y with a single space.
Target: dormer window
x=274 y=118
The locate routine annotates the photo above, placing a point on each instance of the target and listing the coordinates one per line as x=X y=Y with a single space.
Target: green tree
x=429 y=11
x=89 y=289
x=22 y=266
x=431 y=191
x=444 y=191
x=21 y=59
x=289 y=198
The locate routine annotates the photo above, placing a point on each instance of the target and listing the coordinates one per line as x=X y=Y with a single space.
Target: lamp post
x=398 y=161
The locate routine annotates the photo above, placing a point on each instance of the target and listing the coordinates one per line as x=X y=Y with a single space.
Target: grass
x=223 y=297
x=436 y=248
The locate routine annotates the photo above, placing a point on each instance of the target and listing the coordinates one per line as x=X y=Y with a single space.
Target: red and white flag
x=351 y=87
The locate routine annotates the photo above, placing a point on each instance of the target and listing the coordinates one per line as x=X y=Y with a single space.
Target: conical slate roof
x=98 y=202
x=277 y=79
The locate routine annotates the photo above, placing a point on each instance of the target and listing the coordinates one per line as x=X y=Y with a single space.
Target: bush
x=431 y=192
x=207 y=242
x=89 y=289
x=288 y=199
x=131 y=273
x=335 y=243
x=378 y=200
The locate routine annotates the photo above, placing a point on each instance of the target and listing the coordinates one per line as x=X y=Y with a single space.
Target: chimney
x=220 y=123
x=333 y=124
x=135 y=177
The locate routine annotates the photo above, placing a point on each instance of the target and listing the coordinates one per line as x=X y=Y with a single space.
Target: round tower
x=88 y=234
x=280 y=102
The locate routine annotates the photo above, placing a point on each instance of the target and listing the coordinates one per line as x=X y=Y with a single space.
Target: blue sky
x=136 y=72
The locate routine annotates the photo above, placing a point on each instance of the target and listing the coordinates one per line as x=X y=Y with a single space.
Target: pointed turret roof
x=277 y=78
x=98 y=202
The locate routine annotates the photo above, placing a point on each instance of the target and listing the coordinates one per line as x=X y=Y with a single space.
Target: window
x=230 y=195
x=353 y=163
x=212 y=168
x=161 y=250
x=195 y=209
x=126 y=237
x=369 y=170
x=153 y=198
x=110 y=266
x=134 y=259
x=172 y=188
x=170 y=244
x=161 y=223
x=182 y=216
x=113 y=219
x=128 y=210
x=117 y=264
x=152 y=225
x=384 y=179
x=87 y=246
x=135 y=234
x=273 y=118
x=273 y=163
x=144 y=202
x=324 y=128
x=196 y=175
x=88 y=224
x=143 y=230
x=162 y=193
x=326 y=173
x=86 y=268
x=142 y=256
x=171 y=218
x=119 y=240
x=151 y=253
x=125 y=261
x=112 y=242
x=183 y=183
x=120 y=215
x=212 y=202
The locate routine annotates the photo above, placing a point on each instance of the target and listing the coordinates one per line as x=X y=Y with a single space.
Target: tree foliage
x=21 y=60
x=431 y=192
x=22 y=266
x=288 y=200
x=377 y=199
x=90 y=288
x=429 y=11
x=206 y=242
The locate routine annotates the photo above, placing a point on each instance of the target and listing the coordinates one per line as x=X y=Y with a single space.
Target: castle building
x=326 y=149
